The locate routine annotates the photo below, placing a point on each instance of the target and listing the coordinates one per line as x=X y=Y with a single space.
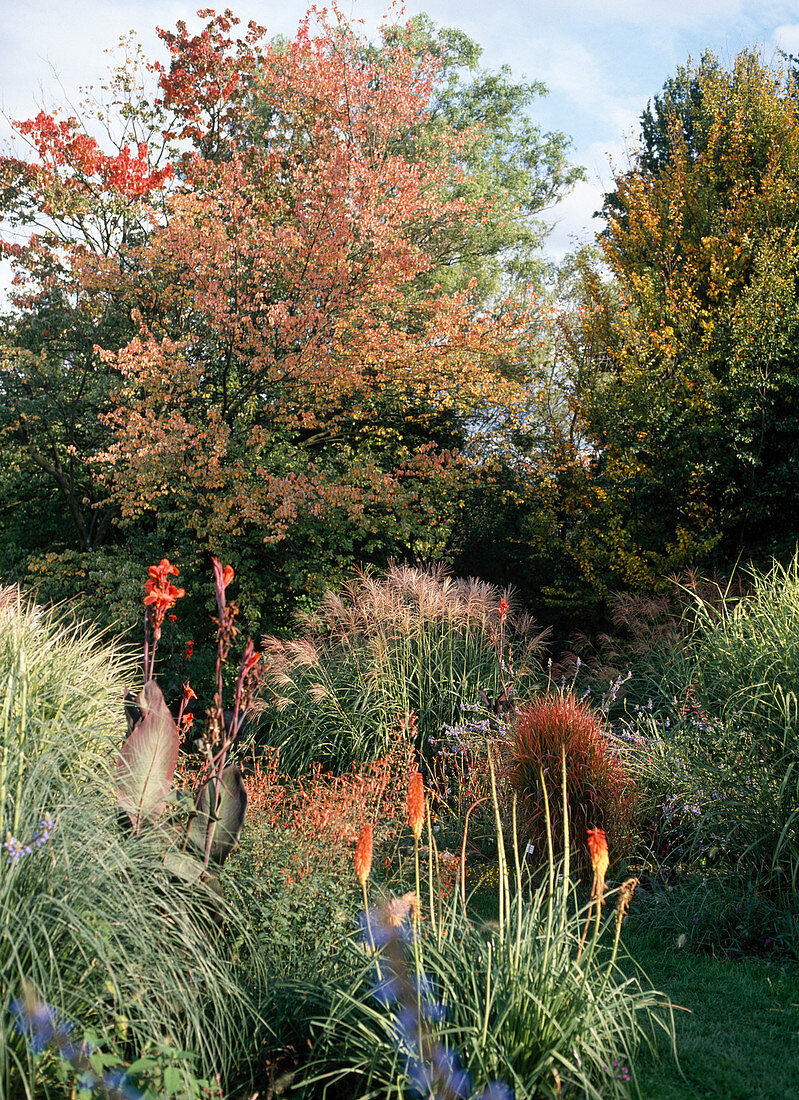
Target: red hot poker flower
x=363 y=854
x=600 y=860
x=416 y=803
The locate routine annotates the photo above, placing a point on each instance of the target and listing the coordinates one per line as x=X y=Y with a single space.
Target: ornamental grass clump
x=91 y=924
x=600 y=794
x=717 y=759
x=410 y=642
x=460 y=1009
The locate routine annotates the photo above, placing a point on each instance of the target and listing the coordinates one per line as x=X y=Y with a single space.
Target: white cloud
x=684 y=14
x=786 y=38
x=573 y=220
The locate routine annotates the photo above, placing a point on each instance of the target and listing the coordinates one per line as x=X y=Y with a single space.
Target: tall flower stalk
x=160 y=597
x=416 y=819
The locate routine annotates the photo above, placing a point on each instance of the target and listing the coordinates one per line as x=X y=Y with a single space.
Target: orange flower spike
x=600 y=860
x=363 y=854
x=503 y=609
x=416 y=805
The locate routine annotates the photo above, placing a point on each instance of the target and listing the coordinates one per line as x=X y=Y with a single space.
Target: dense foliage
x=274 y=312
x=286 y=315
x=123 y=955
x=683 y=362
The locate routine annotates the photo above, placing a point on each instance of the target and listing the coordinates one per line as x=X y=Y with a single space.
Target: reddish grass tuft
x=600 y=794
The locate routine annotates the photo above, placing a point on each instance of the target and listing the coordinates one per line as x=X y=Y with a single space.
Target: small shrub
x=708 y=794
x=297 y=852
x=717 y=912
x=600 y=792
x=745 y=655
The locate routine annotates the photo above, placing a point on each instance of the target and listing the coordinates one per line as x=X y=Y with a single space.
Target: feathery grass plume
x=600 y=792
x=409 y=641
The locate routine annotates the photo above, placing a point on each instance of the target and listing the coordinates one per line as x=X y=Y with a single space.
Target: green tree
x=685 y=362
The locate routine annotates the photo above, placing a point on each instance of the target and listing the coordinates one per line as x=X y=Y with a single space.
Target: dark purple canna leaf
x=228 y=820
x=146 y=764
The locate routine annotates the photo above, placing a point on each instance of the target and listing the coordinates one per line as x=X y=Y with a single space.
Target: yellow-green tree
x=684 y=363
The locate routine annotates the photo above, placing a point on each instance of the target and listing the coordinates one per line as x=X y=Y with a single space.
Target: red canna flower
x=162 y=596
x=228 y=574
x=416 y=804
x=504 y=608
x=363 y=854
x=189 y=650
x=173 y=618
x=188 y=693
x=160 y=574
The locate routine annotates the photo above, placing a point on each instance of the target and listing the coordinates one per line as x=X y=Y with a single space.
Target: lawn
x=739 y=1039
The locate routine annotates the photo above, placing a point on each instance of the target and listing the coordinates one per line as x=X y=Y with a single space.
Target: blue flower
x=115 y=1081
x=386 y=989
x=497 y=1090
x=39 y=1024
x=441 y=1070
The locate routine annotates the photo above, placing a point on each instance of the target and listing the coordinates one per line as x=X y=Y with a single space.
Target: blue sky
x=601 y=59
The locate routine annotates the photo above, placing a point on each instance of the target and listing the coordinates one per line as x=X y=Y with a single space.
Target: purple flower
x=497 y=1090
x=16 y=850
x=442 y=1071
x=39 y=1024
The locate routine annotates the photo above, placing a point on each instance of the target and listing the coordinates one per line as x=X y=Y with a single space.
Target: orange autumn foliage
x=290 y=366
